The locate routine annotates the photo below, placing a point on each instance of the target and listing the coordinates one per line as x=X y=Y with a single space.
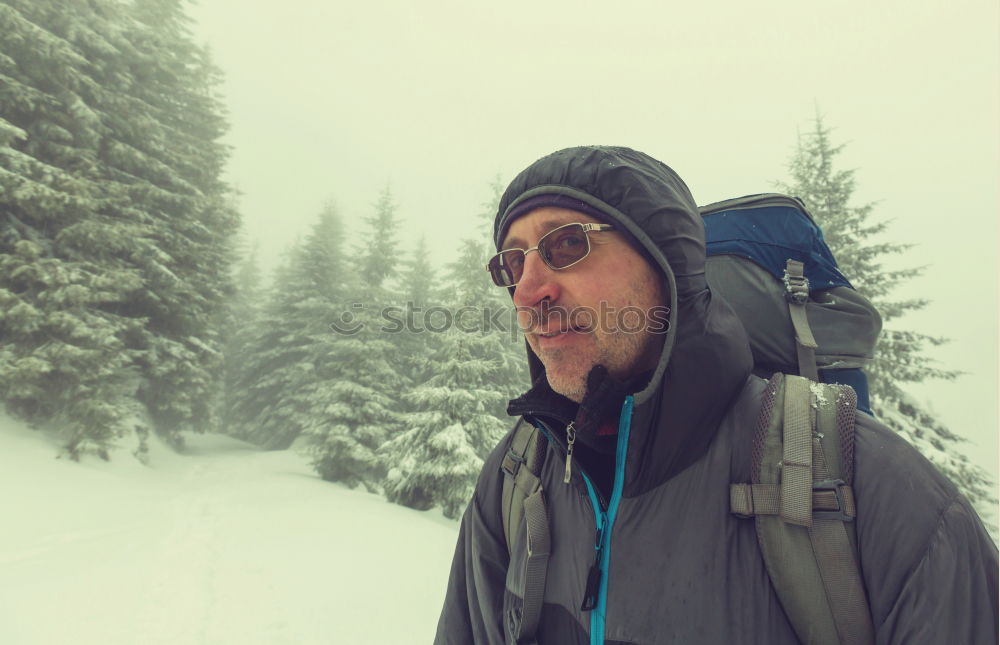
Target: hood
x=705 y=359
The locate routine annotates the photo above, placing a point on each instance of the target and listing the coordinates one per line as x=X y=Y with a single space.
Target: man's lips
x=551 y=336
x=548 y=333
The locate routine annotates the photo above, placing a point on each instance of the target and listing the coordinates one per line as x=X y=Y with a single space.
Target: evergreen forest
x=132 y=306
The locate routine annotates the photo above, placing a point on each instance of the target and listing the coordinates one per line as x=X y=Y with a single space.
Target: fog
x=336 y=100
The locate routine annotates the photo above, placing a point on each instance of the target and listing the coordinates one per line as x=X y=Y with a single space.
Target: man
x=644 y=427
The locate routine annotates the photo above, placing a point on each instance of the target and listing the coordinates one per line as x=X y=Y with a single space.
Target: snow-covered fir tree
x=417 y=292
x=362 y=405
x=115 y=231
x=62 y=359
x=451 y=427
x=286 y=351
x=62 y=354
x=417 y=283
x=457 y=412
x=899 y=354
x=240 y=325
x=469 y=285
x=361 y=412
x=378 y=259
x=173 y=170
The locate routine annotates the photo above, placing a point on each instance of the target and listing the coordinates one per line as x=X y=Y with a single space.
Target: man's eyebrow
x=513 y=243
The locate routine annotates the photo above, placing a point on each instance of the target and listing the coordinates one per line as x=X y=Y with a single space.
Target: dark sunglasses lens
x=506 y=267
x=564 y=246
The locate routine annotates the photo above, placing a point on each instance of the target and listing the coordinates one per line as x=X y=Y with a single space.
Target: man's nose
x=537 y=283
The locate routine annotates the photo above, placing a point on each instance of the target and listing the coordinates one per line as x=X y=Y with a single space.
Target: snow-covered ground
x=225 y=544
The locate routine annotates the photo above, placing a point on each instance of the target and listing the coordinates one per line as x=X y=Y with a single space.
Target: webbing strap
x=841 y=576
x=522 y=496
x=814 y=570
x=797 y=295
x=748 y=500
x=514 y=478
x=536 y=565
x=797 y=454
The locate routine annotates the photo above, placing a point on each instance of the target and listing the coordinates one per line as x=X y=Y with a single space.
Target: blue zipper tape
x=606 y=521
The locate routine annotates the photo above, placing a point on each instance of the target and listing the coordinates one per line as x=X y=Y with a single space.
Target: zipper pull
x=593 y=585
x=594 y=575
x=570 y=440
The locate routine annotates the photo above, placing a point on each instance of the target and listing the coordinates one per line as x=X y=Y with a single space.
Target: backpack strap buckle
x=833 y=499
x=796 y=283
x=512 y=463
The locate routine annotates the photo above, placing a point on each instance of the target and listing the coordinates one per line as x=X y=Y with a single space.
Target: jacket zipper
x=596 y=590
x=536 y=420
x=596 y=593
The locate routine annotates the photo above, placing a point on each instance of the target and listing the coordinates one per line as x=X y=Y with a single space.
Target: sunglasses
x=560 y=248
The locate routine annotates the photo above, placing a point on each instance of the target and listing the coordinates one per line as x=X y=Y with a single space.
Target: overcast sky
x=331 y=99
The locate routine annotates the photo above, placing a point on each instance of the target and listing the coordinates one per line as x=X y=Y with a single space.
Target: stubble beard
x=572 y=385
x=623 y=354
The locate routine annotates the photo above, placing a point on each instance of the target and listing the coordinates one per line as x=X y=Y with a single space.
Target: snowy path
x=224 y=545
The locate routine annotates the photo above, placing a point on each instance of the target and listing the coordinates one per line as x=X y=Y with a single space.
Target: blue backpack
x=768 y=260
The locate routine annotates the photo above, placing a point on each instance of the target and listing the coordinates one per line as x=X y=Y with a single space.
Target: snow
x=224 y=544
x=10 y=131
x=819 y=394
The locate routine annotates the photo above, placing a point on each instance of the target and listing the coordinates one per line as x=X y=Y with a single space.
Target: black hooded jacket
x=648 y=507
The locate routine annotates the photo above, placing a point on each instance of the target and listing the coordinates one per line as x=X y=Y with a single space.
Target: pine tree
x=417 y=284
x=174 y=170
x=116 y=229
x=248 y=284
x=286 y=358
x=470 y=286
x=241 y=322
x=417 y=293
x=899 y=354
x=363 y=400
x=378 y=257
x=61 y=355
x=361 y=411
x=62 y=360
x=452 y=427
x=457 y=414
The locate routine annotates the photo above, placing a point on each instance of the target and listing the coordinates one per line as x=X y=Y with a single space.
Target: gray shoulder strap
x=519 y=482
x=810 y=555
x=522 y=497
x=833 y=533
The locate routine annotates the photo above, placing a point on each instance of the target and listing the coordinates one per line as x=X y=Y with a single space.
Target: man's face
x=576 y=318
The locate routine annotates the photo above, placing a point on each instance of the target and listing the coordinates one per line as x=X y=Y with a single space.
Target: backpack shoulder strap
x=521 y=467
x=803 y=504
x=522 y=497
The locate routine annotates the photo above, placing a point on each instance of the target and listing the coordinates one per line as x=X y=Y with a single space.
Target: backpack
x=814 y=333
x=767 y=258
